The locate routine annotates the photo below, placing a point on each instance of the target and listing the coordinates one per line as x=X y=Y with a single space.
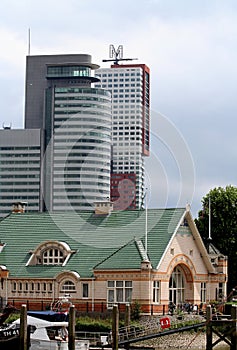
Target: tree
x=223 y=224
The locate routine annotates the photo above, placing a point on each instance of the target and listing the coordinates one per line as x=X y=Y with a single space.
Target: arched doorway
x=176 y=286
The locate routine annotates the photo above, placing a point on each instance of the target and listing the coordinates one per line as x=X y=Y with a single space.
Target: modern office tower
x=76 y=118
x=130 y=88
x=20 y=154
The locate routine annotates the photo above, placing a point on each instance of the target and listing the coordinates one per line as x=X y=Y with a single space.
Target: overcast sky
x=191 y=49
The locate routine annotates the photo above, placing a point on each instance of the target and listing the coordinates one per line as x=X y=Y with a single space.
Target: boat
x=45 y=335
x=8 y=310
x=9 y=337
x=9 y=333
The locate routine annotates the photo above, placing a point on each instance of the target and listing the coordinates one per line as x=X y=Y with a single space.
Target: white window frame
x=85 y=290
x=156 y=292
x=119 y=292
x=203 y=292
x=68 y=286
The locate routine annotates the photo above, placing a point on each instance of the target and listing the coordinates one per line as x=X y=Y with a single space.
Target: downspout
x=93 y=294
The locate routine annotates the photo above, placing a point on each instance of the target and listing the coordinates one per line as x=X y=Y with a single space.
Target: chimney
x=19 y=207
x=103 y=207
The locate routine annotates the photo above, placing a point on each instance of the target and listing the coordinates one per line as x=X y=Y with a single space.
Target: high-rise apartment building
x=76 y=119
x=129 y=85
x=20 y=162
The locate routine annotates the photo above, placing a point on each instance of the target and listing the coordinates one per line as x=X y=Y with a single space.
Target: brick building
x=105 y=257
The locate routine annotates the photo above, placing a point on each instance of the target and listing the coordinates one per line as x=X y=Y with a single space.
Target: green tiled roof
x=103 y=242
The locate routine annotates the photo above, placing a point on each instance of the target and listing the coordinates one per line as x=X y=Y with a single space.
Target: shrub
x=135 y=311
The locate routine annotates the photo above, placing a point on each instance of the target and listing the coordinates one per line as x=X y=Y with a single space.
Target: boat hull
x=9 y=338
x=39 y=344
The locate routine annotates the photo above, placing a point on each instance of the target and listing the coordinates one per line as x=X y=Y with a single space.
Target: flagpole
x=209 y=225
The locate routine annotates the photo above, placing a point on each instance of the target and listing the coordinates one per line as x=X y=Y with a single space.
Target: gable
x=186 y=247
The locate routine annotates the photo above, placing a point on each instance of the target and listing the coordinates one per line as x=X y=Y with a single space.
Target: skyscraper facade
x=20 y=163
x=129 y=85
x=76 y=119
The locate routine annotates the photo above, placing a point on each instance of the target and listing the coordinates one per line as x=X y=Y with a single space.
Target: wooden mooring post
x=224 y=327
x=71 y=328
x=23 y=328
x=115 y=327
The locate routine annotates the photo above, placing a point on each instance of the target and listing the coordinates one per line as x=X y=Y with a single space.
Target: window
x=53 y=256
x=156 y=291
x=50 y=253
x=221 y=289
x=68 y=286
x=119 y=292
x=176 y=286
x=203 y=292
x=85 y=290
x=14 y=287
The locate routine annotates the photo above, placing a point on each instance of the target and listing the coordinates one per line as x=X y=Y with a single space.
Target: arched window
x=68 y=286
x=50 y=253
x=176 y=286
x=53 y=256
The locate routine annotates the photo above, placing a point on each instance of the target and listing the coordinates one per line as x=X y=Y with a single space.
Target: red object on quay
x=165 y=322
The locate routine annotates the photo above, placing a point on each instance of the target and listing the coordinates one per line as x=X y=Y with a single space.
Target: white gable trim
x=196 y=235
x=199 y=242
x=168 y=245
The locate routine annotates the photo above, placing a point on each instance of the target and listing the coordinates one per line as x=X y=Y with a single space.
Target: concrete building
x=105 y=257
x=129 y=85
x=20 y=169
x=76 y=119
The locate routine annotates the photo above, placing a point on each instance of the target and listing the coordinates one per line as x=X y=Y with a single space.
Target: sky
x=191 y=50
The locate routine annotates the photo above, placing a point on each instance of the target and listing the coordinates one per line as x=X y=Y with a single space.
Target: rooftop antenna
x=117 y=55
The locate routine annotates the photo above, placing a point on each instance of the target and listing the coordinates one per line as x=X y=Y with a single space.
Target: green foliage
x=135 y=311
x=12 y=318
x=223 y=204
x=93 y=325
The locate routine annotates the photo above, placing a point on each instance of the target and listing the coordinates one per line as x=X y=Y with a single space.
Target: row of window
x=80 y=98
x=81 y=134
x=87 y=127
x=81 y=183
x=15 y=176
x=68 y=286
x=84 y=148
x=21 y=169
x=83 y=91
x=19 y=155
x=82 y=176
x=25 y=183
x=82 y=104
x=117 y=291
x=16 y=148
x=83 y=140
x=94 y=120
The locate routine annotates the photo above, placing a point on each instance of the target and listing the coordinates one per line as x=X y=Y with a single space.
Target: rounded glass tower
x=78 y=138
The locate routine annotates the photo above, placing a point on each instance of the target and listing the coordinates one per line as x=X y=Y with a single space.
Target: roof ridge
x=114 y=252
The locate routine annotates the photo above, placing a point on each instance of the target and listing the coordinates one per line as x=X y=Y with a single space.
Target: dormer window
x=50 y=253
x=53 y=256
